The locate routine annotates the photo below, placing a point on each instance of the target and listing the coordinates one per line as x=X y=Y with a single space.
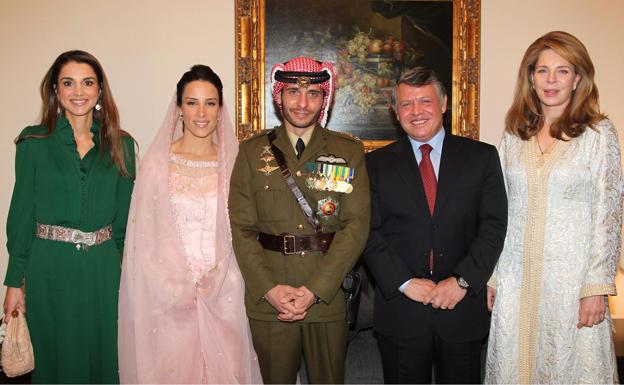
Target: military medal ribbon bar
x=330 y=177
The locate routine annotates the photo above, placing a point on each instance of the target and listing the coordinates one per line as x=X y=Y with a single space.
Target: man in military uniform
x=293 y=269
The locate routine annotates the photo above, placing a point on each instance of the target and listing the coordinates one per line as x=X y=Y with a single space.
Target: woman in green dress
x=74 y=175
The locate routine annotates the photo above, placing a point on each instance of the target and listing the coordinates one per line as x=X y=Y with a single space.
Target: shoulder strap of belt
x=309 y=214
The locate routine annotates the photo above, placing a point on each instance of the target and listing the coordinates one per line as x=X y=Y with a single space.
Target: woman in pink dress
x=181 y=311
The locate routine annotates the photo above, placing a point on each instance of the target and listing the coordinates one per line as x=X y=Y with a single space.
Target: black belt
x=293 y=244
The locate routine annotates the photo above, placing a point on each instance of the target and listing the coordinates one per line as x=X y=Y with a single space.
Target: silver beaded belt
x=82 y=239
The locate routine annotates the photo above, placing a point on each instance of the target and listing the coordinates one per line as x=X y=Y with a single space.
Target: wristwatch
x=462 y=282
x=317 y=299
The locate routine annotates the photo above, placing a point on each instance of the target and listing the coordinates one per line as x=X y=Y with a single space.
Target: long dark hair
x=110 y=131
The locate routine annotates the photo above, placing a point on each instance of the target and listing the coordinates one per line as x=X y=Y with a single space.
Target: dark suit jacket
x=466 y=234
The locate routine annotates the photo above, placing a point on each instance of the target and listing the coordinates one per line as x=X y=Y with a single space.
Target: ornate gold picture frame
x=251 y=83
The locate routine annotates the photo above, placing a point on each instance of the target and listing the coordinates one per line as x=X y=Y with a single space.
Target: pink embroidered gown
x=193 y=186
x=181 y=301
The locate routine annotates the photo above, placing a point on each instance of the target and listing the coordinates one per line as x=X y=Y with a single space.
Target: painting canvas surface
x=370 y=43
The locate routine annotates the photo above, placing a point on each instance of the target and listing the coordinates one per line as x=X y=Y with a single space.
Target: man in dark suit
x=439 y=216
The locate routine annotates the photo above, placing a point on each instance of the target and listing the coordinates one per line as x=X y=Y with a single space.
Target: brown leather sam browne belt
x=293 y=244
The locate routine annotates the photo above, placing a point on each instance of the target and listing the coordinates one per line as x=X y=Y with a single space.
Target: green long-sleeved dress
x=71 y=294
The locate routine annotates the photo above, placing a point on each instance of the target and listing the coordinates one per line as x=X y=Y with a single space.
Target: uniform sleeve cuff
x=598 y=289
x=322 y=291
x=260 y=292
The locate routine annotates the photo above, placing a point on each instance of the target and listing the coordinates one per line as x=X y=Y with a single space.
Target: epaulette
x=345 y=135
x=257 y=134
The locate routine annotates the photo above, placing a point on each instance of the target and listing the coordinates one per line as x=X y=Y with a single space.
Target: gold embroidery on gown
x=562 y=244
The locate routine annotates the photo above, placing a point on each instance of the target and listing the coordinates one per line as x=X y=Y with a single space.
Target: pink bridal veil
x=172 y=330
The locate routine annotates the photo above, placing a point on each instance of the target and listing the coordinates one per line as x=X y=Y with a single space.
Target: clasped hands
x=292 y=303
x=444 y=295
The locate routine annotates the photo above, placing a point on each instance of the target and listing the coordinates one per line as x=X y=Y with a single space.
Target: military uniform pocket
x=273 y=204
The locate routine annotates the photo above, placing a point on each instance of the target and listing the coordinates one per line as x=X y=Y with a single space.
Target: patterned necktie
x=299 y=146
x=428 y=176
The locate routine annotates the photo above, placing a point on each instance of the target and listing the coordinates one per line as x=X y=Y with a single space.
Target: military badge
x=267 y=156
x=331 y=159
x=314 y=182
x=327 y=208
x=329 y=177
x=303 y=82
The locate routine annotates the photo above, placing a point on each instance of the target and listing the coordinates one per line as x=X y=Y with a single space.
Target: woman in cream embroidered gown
x=561 y=161
x=181 y=312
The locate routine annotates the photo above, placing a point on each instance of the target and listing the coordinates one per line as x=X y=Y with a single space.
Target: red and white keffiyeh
x=321 y=73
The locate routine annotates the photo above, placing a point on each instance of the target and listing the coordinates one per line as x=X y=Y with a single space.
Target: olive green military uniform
x=260 y=201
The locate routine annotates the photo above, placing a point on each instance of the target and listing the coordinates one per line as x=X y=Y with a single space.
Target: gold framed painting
x=370 y=42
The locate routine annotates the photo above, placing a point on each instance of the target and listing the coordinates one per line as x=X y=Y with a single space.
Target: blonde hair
x=525 y=116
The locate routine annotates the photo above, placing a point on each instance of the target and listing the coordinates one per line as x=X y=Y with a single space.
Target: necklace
x=539 y=156
x=539 y=146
